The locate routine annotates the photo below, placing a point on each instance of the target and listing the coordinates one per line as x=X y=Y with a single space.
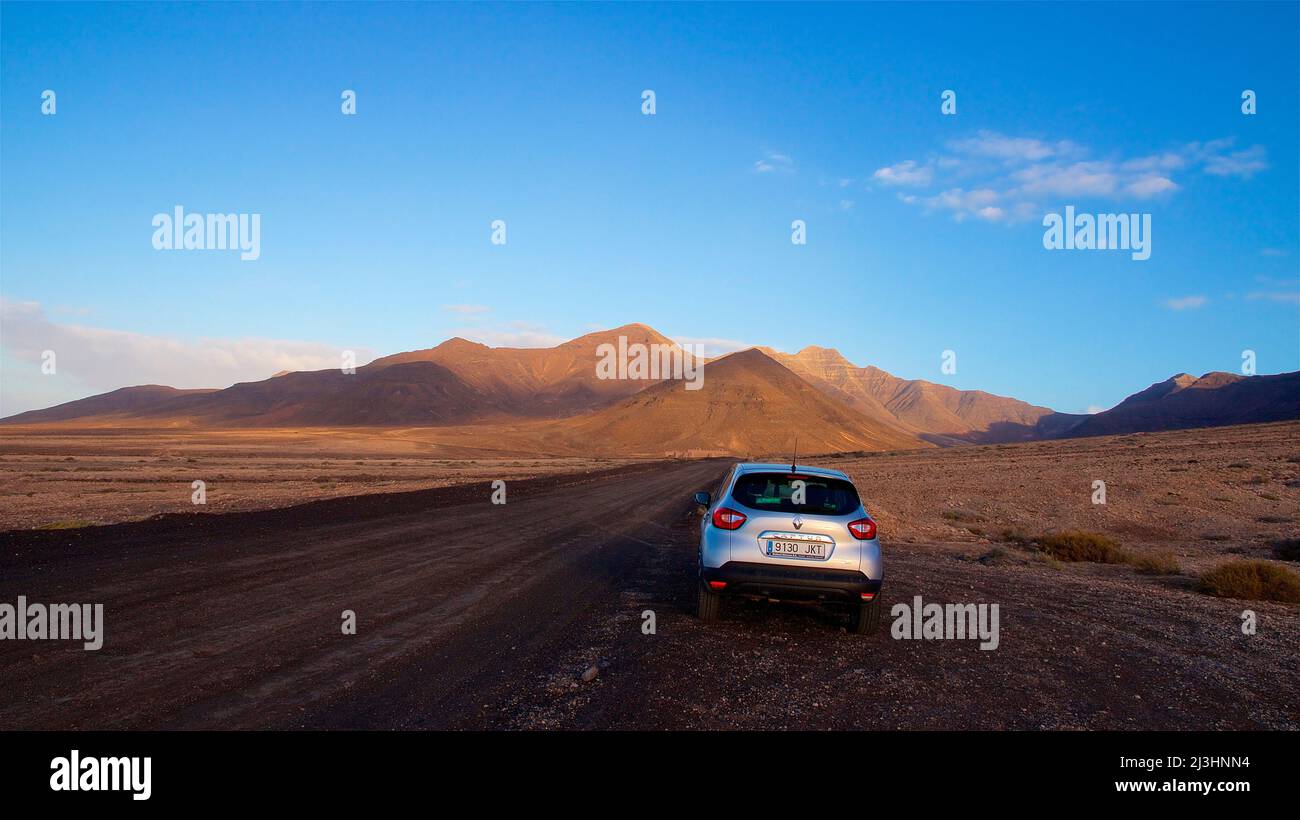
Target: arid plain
x=1215 y=489
x=475 y=615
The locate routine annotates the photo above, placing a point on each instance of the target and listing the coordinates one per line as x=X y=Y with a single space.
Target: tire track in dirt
x=479 y=616
x=233 y=620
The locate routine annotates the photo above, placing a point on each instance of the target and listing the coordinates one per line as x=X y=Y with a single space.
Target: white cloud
x=1283 y=296
x=1218 y=161
x=95 y=360
x=1075 y=180
x=1168 y=161
x=511 y=334
x=773 y=161
x=1150 y=185
x=906 y=172
x=981 y=203
x=1024 y=171
x=1186 y=302
x=1011 y=149
x=713 y=346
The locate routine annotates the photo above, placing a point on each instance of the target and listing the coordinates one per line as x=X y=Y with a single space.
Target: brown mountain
x=935 y=411
x=413 y=393
x=536 y=382
x=416 y=393
x=1213 y=400
x=123 y=401
x=749 y=404
x=456 y=382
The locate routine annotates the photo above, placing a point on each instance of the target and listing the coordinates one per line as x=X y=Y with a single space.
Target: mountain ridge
x=753 y=400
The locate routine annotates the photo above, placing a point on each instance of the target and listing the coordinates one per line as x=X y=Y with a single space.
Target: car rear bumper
x=794 y=582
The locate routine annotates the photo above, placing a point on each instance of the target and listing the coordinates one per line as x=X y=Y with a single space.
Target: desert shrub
x=1288 y=549
x=69 y=524
x=1077 y=545
x=1047 y=560
x=1252 y=581
x=1017 y=537
x=1162 y=563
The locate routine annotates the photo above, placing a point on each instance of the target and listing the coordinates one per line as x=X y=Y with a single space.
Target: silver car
x=789 y=532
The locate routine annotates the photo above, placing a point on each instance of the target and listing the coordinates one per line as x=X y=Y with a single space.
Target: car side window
x=722 y=488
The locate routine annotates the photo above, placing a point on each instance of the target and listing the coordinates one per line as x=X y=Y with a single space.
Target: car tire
x=710 y=603
x=865 y=618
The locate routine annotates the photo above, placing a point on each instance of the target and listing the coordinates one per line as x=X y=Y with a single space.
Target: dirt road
x=474 y=615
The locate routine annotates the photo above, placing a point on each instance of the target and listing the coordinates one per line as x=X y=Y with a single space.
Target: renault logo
x=798 y=521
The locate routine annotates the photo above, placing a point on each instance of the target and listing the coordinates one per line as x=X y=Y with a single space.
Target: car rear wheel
x=865 y=618
x=710 y=603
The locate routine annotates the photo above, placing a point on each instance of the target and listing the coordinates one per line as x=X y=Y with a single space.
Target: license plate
x=795 y=549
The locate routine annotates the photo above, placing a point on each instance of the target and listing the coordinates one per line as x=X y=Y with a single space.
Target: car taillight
x=727 y=519
x=864 y=529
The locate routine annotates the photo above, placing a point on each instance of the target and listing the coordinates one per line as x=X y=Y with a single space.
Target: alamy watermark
x=95 y=774
x=53 y=622
x=179 y=231
x=651 y=362
x=1085 y=232
x=934 y=622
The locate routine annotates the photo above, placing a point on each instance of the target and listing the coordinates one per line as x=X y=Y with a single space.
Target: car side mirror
x=702 y=499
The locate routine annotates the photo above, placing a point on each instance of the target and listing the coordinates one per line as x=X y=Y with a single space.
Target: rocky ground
x=54 y=477
x=1200 y=494
x=533 y=614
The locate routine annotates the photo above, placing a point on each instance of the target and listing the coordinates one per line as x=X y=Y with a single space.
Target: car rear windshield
x=774 y=492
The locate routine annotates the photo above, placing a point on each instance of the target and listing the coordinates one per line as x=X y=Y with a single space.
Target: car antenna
x=794 y=459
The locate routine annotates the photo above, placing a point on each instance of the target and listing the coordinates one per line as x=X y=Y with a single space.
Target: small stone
x=590 y=674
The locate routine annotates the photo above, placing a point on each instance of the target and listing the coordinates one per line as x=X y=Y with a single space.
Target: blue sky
x=924 y=230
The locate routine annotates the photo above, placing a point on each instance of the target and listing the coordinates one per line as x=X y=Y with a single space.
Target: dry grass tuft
x=1162 y=563
x=1077 y=545
x=1252 y=581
